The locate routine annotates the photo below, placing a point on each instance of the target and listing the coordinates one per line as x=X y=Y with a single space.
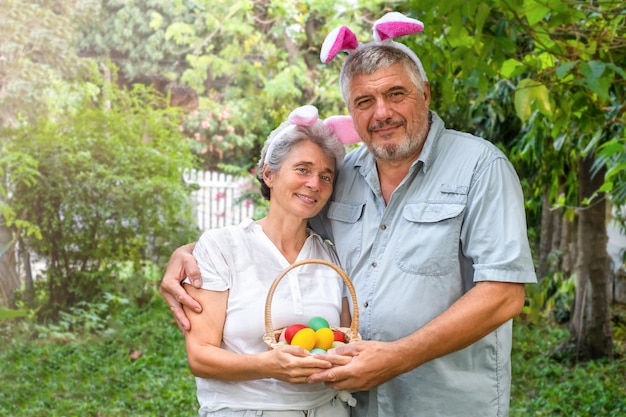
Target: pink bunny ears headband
x=307 y=115
x=391 y=25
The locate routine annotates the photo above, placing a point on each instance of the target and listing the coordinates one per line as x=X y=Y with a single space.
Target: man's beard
x=410 y=147
x=392 y=151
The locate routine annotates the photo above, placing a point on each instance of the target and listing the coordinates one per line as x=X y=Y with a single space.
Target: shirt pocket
x=428 y=238
x=346 y=222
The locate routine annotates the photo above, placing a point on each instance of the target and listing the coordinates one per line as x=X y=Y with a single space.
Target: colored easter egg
x=290 y=331
x=317 y=323
x=337 y=344
x=339 y=336
x=304 y=338
x=324 y=338
x=317 y=350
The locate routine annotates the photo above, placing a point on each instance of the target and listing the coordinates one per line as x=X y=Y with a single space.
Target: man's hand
x=358 y=366
x=182 y=264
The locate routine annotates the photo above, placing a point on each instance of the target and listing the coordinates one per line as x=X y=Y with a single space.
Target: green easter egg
x=317 y=323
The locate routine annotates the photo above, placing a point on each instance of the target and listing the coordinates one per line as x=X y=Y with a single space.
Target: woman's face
x=304 y=182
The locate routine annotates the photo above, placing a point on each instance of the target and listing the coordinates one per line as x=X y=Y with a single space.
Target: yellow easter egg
x=304 y=338
x=324 y=338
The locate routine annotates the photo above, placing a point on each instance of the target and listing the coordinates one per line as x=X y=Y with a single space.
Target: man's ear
x=427 y=93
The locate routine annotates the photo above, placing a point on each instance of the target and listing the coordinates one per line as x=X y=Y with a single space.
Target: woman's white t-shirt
x=245 y=261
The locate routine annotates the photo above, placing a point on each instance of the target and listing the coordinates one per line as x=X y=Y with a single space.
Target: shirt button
x=365 y=304
x=374 y=264
x=383 y=227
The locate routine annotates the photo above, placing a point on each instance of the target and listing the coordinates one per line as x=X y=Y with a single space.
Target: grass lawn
x=138 y=368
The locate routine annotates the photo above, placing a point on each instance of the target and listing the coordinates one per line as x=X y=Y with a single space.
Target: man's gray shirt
x=457 y=218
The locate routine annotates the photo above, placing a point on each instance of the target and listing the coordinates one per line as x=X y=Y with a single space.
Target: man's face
x=390 y=113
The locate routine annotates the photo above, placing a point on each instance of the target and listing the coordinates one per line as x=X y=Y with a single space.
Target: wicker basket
x=351 y=333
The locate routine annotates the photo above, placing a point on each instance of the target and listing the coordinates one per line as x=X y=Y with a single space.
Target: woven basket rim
x=351 y=332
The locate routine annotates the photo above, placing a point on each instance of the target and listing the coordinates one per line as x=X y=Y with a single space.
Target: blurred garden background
x=118 y=117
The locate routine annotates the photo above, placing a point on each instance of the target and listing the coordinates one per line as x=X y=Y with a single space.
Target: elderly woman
x=236 y=373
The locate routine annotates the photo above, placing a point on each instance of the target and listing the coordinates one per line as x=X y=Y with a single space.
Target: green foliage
x=23 y=169
x=133 y=34
x=37 y=55
x=109 y=190
x=137 y=366
x=613 y=154
x=544 y=387
x=551 y=299
x=562 y=63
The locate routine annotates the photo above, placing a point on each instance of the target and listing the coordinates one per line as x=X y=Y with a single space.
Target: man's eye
x=364 y=104
x=327 y=178
x=396 y=96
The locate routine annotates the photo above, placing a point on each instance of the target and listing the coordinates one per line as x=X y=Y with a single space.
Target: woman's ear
x=268 y=176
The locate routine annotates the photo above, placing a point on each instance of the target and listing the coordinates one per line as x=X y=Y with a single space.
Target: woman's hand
x=293 y=364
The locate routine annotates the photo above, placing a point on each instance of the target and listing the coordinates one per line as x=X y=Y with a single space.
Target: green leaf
x=615 y=170
x=535 y=12
x=509 y=67
x=615 y=68
x=563 y=69
x=594 y=81
x=530 y=95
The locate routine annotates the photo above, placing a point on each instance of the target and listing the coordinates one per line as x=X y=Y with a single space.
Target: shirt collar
x=427 y=156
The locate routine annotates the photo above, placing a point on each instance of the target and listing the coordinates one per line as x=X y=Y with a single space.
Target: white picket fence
x=216 y=200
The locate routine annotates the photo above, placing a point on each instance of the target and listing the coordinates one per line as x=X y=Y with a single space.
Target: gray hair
x=371 y=57
x=287 y=136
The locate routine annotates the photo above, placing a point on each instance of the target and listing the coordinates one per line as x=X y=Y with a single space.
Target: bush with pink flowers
x=215 y=139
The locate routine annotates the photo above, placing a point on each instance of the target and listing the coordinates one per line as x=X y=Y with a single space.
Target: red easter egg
x=290 y=331
x=339 y=336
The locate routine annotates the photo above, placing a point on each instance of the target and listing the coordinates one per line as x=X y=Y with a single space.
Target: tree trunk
x=545 y=237
x=568 y=245
x=9 y=278
x=591 y=323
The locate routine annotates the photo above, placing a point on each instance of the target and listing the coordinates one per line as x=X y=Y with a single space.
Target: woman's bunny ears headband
x=391 y=25
x=307 y=115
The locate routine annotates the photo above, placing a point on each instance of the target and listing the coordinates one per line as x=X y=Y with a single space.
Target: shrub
x=109 y=191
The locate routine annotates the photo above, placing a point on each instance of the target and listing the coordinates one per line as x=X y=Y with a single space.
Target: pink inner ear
x=343 y=128
x=340 y=39
x=396 y=29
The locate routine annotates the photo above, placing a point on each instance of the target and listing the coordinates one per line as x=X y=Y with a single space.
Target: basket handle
x=354 y=326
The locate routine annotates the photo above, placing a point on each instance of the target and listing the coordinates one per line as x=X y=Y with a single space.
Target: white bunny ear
x=339 y=39
x=394 y=24
x=343 y=128
x=303 y=116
